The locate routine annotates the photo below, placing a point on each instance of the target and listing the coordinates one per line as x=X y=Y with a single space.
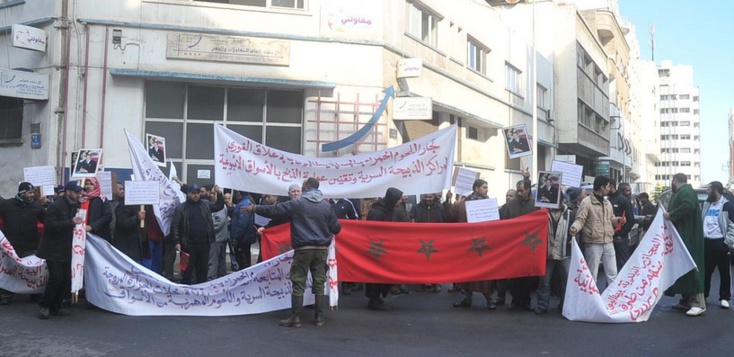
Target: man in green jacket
x=685 y=213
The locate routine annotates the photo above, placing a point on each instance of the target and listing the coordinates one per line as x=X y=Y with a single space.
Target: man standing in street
x=718 y=230
x=595 y=220
x=619 y=197
x=522 y=204
x=192 y=232
x=21 y=216
x=313 y=226
x=60 y=221
x=685 y=213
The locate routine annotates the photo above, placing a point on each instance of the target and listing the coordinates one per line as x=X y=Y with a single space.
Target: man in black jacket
x=21 y=216
x=192 y=231
x=622 y=206
x=61 y=218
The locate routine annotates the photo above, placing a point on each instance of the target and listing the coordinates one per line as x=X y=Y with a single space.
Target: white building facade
x=292 y=74
x=680 y=124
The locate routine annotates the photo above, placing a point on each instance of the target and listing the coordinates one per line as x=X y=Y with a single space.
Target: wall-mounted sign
x=409 y=67
x=35 y=141
x=29 y=37
x=412 y=108
x=228 y=49
x=25 y=85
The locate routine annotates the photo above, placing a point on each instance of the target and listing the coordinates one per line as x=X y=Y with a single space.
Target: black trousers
x=622 y=252
x=521 y=288
x=57 y=286
x=169 y=259
x=716 y=255
x=198 y=263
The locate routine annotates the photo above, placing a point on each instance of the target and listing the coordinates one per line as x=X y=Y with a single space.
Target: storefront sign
x=409 y=67
x=29 y=37
x=24 y=85
x=228 y=49
x=412 y=108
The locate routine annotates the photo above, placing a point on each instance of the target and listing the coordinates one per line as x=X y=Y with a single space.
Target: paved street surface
x=419 y=324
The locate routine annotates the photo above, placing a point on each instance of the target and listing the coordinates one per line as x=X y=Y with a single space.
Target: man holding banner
x=21 y=216
x=60 y=222
x=313 y=226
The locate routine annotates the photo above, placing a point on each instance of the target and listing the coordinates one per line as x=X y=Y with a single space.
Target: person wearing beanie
x=21 y=216
x=384 y=210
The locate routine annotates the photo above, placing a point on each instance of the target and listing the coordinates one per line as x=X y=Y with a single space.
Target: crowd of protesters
x=606 y=220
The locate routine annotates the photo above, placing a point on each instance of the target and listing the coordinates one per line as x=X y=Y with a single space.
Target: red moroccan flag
x=422 y=253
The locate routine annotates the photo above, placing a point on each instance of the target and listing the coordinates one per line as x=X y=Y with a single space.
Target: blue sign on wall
x=35 y=141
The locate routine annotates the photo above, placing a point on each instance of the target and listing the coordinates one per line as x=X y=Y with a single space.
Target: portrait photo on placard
x=156 y=148
x=548 y=194
x=87 y=162
x=517 y=140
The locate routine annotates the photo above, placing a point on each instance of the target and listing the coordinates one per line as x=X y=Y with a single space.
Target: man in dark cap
x=21 y=216
x=61 y=218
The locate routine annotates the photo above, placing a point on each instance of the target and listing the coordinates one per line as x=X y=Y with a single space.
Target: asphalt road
x=418 y=324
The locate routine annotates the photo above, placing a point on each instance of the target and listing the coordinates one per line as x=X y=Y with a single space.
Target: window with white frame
x=423 y=25
x=291 y=4
x=476 y=57
x=513 y=79
x=542 y=94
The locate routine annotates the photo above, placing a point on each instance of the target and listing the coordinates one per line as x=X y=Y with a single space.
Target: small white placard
x=261 y=221
x=204 y=174
x=464 y=180
x=44 y=176
x=482 y=210
x=571 y=173
x=105 y=183
x=142 y=193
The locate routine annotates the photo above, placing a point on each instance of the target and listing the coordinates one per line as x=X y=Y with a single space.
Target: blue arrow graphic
x=359 y=134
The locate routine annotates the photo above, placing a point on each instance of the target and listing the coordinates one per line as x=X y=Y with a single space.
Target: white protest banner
x=142 y=193
x=482 y=210
x=78 y=247
x=118 y=284
x=105 y=184
x=464 y=181
x=145 y=169
x=44 y=176
x=659 y=260
x=420 y=166
x=571 y=173
x=20 y=275
x=261 y=221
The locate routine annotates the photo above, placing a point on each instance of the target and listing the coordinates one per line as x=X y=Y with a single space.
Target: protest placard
x=482 y=210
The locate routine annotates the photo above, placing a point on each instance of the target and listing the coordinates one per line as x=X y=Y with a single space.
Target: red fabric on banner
x=393 y=252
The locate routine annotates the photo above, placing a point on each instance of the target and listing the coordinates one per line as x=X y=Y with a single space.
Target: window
x=685 y=123
x=11 y=120
x=685 y=137
x=685 y=163
x=685 y=110
x=695 y=98
x=472 y=133
x=292 y=4
x=513 y=79
x=685 y=150
x=542 y=94
x=476 y=56
x=186 y=115
x=684 y=96
x=423 y=25
x=695 y=111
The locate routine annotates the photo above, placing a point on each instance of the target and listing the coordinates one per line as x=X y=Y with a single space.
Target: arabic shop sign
x=228 y=49
x=25 y=85
x=29 y=37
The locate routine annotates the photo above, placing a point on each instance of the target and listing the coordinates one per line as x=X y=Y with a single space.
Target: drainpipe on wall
x=63 y=106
